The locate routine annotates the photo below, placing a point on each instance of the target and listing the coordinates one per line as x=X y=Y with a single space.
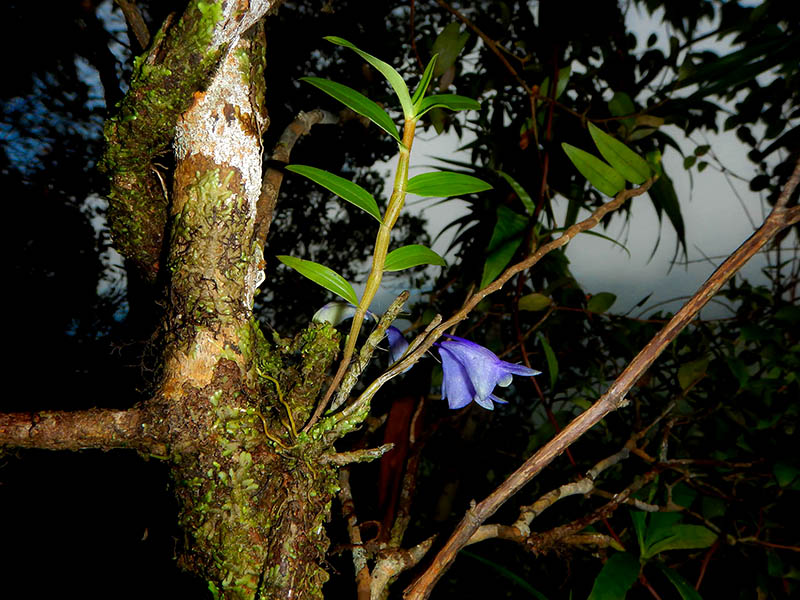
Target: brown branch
x=779 y=218
x=135 y=21
x=273 y=177
x=100 y=428
x=359 y=552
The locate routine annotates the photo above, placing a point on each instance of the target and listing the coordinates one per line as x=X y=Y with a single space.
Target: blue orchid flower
x=471 y=373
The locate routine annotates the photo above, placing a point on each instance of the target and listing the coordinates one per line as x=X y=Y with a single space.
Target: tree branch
x=99 y=428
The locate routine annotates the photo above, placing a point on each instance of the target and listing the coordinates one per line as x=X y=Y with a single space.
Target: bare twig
x=273 y=176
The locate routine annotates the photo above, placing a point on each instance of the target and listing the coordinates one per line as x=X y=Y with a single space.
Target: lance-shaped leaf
x=616 y=577
x=419 y=93
x=387 y=70
x=357 y=102
x=679 y=537
x=443 y=184
x=451 y=101
x=599 y=174
x=506 y=238
x=412 y=255
x=524 y=196
x=684 y=588
x=627 y=163
x=322 y=275
x=552 y=361
x=344 y=188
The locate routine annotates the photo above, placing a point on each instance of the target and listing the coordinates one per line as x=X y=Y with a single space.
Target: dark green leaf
x=524 y=197
x=510 y=575
x=626 y=162
x=412 y=255
x=506 y=238
x=552 y=361
x=686 y=591
x=451 y=101
x=322 y=275
x=786 y=474
x=449 y=44
x=663 y=195
x=424 y=82
x=388 y=71
x=639 y=518
x=357 y=102
x=690 y=372
x=599 y=174
x=534 y=302
x=681 y=537
x=616 y=577
x=601 y=302
x=621 y=105
x=563 y=79
x=344 y=188
x=443 y=184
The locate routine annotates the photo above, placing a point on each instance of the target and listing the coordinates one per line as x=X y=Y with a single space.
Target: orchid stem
x=396 y=202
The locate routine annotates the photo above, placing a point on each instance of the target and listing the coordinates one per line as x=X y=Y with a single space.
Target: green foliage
x=344 y=188
x=600 y=175
x=322 y=275
x=444 y=184
x=357 y=102
x=412 y=255
x=617 y=576
x=506 y=238
x=392 y=76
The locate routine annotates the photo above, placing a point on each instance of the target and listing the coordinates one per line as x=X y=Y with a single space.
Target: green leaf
x=506 y=238
x=412 y=255
x=786 y=474
x=599 y=174
x=662 y=193
x=552 y=361
x=344 y=188
x=563 y=79
x=534 y=302
x=601 y=302
x=357 y=102
x=621 y=105
x=627 y=163
x=690 y=372
x=510 y=575
x=322 y=275
x=639 y=518
x=616 y=577
x=387 y=70
x=422 y=87
x=524 y=196
x=451 y=101
x=686 y=591
x=444 y=184
x=448 y=45
x=681 y=537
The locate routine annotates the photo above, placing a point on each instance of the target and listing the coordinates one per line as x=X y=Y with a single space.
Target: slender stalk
x=396 y=202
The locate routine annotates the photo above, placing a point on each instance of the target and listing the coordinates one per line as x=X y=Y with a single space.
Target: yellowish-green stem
x=396 y=202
